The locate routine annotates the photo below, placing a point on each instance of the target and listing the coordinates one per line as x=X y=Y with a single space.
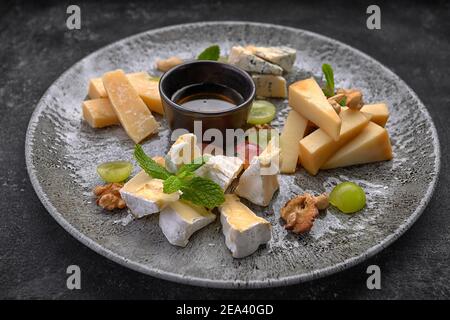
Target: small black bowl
x=197 y=72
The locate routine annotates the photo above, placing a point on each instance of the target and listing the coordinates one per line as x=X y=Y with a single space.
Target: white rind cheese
x=183 y=151
x=144 y=195
x=180 y=219
x=270 y=86
x=259 y=181
x=244 y=231
x=221 y=169
x=245 y=59
x=282 y=56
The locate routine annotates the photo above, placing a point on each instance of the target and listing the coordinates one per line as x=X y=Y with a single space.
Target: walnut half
x=108 y=196
x=300 y=212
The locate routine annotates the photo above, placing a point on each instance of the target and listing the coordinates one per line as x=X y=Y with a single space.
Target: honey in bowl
x=207 y=98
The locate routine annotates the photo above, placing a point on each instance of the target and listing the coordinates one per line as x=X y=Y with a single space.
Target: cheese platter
x=327 y=173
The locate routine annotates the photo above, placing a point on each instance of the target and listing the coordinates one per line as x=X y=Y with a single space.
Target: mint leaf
x=329 y=77
x=202 y=192
x=191 y=167
x=149 y=165
x=343 y=101
x=210 y=53
x=172 y=184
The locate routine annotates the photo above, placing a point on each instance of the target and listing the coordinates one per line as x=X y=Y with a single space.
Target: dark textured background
x=36 y=48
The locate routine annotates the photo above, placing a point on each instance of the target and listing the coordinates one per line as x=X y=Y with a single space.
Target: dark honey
x=207 y=97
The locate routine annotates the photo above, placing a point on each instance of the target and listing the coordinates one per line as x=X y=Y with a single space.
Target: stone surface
x=37 y=48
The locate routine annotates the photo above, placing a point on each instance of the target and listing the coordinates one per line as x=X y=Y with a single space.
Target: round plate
x=62 y=153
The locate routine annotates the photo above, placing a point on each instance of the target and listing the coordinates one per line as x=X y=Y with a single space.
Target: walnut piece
x=300 y=212
x=335 y=102
x=354 y=98
x=167 y=64
x=108 y=196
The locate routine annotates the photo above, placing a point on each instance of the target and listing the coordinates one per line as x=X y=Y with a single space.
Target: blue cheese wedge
x=183 y=151
x=244 y=231
x=144 y=195
x=282 y=56
x=221 y=169
x=270 y=86
x=245 y=59
x=180 y=219
x=259 y=181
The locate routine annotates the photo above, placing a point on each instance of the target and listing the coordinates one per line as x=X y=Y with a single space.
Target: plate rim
x=230 y=284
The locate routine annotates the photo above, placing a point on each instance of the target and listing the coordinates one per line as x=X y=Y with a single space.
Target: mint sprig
x=150 y=166
x=210 y=53
x=329 y=77
x=198 y=190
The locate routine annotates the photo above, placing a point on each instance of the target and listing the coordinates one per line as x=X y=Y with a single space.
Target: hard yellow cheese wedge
x=371 y=145
x=307 y=98
x=99 y=113
x=294 y=129
x=133 y=114
x=145 y=85
x=318 y=147
x=379 y=112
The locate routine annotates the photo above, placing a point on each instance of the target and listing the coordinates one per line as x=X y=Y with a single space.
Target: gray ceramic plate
x=62 y=153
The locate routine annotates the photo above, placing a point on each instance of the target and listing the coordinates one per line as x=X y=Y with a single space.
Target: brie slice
x=221 y=169
x=180 y=219
x=259 y=181
x=244 y=231
x=183 y=151
x=144 y=195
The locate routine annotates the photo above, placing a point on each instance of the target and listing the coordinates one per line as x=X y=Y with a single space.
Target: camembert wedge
x=221 y=169
x=180 y=219
x=259 y=181
x=293 y=131
x=371 y=145
x=244 y=231
x=183 y=151
x=144 y=195
x=133 y=114
x=308 y=99
x=317 y=147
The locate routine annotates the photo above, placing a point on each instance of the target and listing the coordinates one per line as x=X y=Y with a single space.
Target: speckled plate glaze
x=62 y=153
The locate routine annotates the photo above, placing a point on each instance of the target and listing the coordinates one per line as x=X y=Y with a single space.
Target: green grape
x=261 y=112
x=348 y=197
x=115 y=171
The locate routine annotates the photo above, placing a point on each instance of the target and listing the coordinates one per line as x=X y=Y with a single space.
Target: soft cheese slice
x=308 y=99
x=282 y=56
x=183 y=151
x=144 y=195
x=221 y=169
x=148 y=90
x=99 y=113
x=133 y=114
x=317 y=147
x=245 y=59
x=270 y=86
x=378 y=111
x=244 y=231
x=259 y=181
x=371 y=145
x=142 y=82
x=294 y=129
x=180 y=219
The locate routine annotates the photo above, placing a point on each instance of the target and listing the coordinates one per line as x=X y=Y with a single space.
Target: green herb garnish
x=198 y=190
x=210 y=53
x=329 y=77
x=343 y=102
